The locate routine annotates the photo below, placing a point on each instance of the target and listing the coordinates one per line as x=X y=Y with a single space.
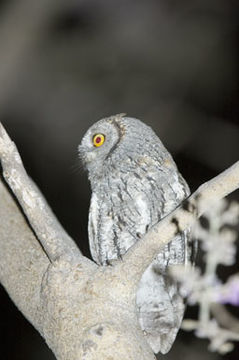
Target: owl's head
x=100 y=141
x=114 y=140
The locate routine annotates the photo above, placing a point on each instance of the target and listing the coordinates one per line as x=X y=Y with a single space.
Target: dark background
x=66 y=64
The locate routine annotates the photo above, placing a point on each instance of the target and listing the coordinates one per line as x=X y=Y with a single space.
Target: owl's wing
x=160 y=306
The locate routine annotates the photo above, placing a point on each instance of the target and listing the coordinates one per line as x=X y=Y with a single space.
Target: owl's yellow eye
x=98 y=140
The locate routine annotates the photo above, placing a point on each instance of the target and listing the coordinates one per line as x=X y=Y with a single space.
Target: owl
x=135 y=183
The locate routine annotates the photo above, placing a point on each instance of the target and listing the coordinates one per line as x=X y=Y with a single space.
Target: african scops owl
x=135 y=183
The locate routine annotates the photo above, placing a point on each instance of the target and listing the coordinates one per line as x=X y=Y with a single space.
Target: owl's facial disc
x=98 y=144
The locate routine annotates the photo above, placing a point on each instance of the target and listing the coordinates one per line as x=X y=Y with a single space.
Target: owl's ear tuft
x=119 y=116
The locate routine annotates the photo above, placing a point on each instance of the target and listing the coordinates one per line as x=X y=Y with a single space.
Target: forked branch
x=83 y=311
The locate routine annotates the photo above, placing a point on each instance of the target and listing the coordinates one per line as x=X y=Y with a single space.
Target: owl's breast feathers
x=128 y=201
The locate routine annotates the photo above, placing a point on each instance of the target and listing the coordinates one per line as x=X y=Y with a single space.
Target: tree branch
x=82 y=310
x=22 y=260
x=54 y=239
x=140 y=256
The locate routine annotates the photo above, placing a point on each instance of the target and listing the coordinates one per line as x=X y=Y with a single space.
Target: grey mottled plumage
x=135 y=183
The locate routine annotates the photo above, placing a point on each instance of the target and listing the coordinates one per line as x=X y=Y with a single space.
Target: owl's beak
x=85 y=154
x=89 y=156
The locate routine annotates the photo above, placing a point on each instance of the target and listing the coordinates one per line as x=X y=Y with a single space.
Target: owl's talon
x=113 y=262
x=109 y=262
